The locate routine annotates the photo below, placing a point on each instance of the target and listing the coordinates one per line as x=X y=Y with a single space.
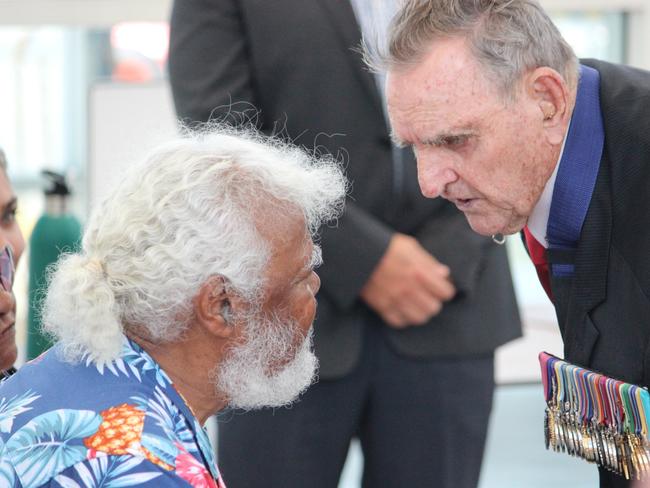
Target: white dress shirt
x=538 y=219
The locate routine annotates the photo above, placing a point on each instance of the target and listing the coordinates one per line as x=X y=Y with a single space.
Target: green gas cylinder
x=57 y=231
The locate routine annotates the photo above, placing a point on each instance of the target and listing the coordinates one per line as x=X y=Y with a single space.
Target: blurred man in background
x=413 y=304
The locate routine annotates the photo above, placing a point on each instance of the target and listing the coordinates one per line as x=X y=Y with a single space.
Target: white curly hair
x=184 y=214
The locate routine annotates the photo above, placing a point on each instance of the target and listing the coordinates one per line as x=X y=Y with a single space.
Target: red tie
x=538 y=257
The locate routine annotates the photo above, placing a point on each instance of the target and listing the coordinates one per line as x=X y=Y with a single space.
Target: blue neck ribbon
x=578 y=170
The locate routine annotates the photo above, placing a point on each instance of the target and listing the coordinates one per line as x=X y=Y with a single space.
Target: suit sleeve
x=210 y=73
x=208 y=59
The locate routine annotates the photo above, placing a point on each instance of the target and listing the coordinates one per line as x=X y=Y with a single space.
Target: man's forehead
x=427 y=120
x=447 y=75
x=439 y=97
x=290 y=242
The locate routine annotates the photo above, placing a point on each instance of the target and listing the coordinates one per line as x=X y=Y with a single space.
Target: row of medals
x=624 y=453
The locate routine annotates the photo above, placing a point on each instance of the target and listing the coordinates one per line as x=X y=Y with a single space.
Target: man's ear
x=213 y=307
x=553 y=101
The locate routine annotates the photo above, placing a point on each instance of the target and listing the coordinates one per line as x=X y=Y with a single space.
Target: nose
x=4 y=242
x=314 y=284
x=434 y=174
x=12 y=236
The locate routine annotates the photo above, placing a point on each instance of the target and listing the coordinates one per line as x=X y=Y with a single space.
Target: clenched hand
x=408 y=286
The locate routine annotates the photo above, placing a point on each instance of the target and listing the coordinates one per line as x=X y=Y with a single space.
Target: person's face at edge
x=10 y=235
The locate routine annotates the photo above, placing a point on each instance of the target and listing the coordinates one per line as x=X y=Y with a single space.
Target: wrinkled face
x=9 y=235
x=274 y=362
x=486 y=156
x=291 y=283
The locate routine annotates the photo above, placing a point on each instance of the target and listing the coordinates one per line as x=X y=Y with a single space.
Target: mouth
x=464 y=204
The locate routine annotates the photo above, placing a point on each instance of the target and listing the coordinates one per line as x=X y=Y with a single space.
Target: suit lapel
x=589 y=287
x=341 y=15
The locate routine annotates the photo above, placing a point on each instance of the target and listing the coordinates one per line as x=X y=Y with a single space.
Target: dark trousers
x=420 y=424
x=611 y=480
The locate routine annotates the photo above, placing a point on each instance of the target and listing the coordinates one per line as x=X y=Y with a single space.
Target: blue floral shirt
x=82 y=425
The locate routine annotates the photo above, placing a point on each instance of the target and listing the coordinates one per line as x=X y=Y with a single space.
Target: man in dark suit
x=412 y=304
x=519 y=135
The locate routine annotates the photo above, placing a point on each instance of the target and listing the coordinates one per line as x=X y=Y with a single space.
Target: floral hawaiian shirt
x=82 y=425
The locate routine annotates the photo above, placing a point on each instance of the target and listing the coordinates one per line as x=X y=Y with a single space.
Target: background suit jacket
x=604 y=311
x=295 y=62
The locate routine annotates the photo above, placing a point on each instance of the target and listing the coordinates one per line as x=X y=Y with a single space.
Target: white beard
x=244 y=376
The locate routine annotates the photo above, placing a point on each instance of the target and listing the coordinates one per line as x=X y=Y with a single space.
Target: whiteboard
x=126 y=120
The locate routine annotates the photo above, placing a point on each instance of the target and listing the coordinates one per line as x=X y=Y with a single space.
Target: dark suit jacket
x=295 y=62
x=604 y=311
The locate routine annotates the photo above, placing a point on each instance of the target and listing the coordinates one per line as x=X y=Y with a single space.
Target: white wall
x=125 y=121
x=639 y=25
x=93 y=13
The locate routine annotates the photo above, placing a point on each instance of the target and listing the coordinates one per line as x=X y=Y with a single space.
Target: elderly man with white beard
x=194 y=292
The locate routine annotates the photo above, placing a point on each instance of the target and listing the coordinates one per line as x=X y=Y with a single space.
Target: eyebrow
x=444 y=138
x=397 y=142
x=439 y=139
x=12 y=202
x=316 y=258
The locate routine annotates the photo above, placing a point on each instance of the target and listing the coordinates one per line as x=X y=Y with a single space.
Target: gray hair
x=3 y=160
x=507 y=37
x=190 y=211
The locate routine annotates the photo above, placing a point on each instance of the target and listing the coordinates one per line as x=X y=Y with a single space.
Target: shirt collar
x=374 y=19
x=538 y=220
x=136 y=357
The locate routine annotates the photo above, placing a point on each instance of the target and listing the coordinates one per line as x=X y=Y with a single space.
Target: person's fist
x=408 y=286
